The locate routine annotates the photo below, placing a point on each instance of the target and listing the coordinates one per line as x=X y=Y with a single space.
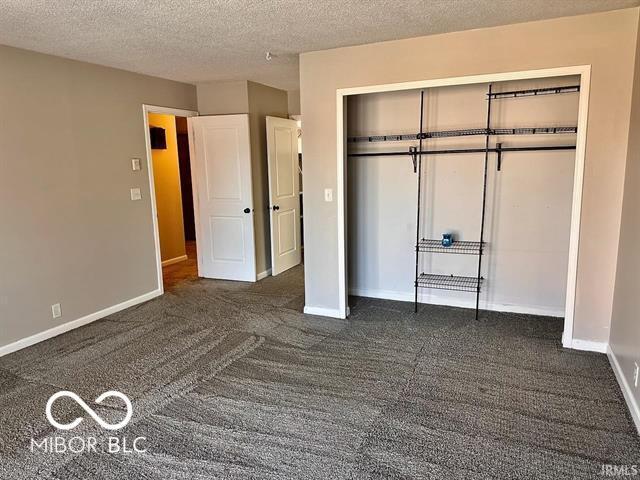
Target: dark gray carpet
x=230 y=380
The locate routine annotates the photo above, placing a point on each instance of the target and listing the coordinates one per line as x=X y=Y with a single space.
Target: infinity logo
x=94 y=415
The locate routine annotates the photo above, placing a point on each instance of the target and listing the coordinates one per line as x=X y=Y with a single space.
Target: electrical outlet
x=56 y=311
x=635 y=375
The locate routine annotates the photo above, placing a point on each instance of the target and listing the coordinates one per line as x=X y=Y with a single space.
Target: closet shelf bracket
x=413 y=151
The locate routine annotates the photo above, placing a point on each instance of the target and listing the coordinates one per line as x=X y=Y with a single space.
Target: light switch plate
x=135 y=194
x=135 y=164
x=328 y=195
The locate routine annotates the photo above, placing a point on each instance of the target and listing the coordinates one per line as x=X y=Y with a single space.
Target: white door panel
x=221 y=157
x=284 y=193
x=225 y=231
x=286 y=161
x=222 y=149
x=286 y=231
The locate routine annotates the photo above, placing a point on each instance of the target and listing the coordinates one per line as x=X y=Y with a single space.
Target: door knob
x=276 y=207
x=247 y=210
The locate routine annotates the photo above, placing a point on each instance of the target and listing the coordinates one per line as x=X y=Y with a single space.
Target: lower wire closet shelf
x=462 y=247
x=448 y=282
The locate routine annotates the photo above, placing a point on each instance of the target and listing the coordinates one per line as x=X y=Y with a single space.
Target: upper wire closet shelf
x=531 y=92
x=467 y=132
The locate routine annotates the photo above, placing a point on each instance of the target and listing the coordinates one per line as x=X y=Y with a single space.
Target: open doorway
x=298 y=120
x=184 y=269
x=171 y=183
x=206 y=222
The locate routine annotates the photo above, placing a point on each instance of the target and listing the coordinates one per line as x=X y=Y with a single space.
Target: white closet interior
x=524 y=265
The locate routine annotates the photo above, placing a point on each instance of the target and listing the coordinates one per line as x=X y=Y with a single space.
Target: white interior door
x=284 y=193
x=221 y=171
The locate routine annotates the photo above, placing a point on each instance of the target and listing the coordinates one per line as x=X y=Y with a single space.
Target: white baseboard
x=632 y=403
x=264 y=274
x=65 y=327
x=323 y=312
x=588 y=345
x=436 y=299
x=171 y=261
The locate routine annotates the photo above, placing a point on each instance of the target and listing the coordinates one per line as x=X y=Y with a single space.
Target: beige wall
x=222 y=98
x=69 y=231
x=606 y=41
x=259 y=101
x=625 y=325
x=293 y=99
x=166 y=177
x=263 y=101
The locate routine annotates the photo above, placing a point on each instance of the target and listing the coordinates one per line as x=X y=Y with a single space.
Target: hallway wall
x=166 y=176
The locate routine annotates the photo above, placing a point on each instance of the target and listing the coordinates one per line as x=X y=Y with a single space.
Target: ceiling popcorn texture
x=193 y=41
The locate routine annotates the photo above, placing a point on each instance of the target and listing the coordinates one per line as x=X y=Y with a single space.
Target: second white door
x=284 y=193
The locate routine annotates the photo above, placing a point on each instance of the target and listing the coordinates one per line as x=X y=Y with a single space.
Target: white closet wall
x=528 y=202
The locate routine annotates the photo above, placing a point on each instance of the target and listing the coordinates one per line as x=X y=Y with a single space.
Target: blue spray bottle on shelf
x=447 y=239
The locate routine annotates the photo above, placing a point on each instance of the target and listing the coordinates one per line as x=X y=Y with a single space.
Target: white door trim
x=146 y=109
x=584 y=71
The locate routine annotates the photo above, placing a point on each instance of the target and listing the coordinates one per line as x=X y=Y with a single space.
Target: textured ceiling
x=194 y=40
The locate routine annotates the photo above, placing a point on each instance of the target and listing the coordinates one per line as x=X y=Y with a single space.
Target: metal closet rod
x=463 y=150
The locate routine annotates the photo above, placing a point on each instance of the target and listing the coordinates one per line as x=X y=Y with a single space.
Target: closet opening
x=466 y=195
